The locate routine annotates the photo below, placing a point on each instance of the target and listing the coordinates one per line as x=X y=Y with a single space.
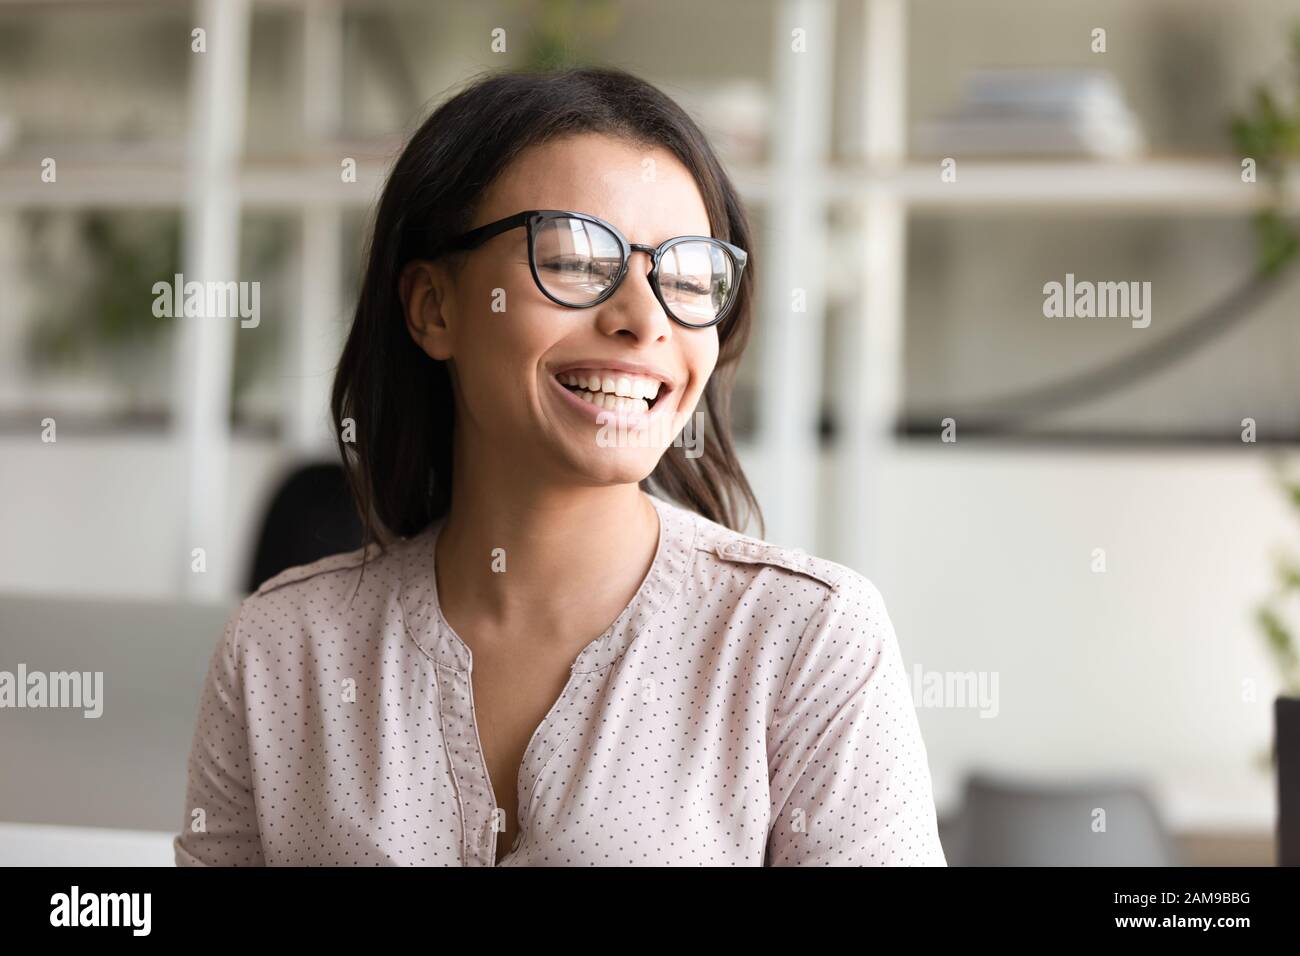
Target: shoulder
x=826 y=621
x=733 y=552
x=342 y=592
x=811 y=586
x=300 y=575
x=327 y=586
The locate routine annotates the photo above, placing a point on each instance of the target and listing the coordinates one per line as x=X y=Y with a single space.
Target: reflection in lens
x=696 y=280
x=576 y=260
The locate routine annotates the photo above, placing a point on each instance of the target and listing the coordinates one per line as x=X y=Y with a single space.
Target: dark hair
x=400 y=399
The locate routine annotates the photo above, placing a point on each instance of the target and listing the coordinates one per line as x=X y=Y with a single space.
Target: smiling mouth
x=614 y=391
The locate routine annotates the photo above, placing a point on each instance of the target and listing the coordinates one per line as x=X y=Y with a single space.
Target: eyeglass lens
x=577 y=261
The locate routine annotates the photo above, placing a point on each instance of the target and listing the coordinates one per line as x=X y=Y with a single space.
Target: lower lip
x=605 y=416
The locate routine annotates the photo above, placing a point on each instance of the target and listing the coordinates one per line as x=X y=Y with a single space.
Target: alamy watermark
x=1100 y=300
x=623 y=431
x=201 y=300
x=956 y=689
x=127 y=910
x=56 y=689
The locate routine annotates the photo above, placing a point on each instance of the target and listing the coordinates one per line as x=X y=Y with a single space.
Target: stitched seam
x=237 y=655
x=798 y=647
x=442 y=725
x=776 y=815
x=451 y=765
x=355 y=560
x=685 y=571
x=526 y=832
x=653 y=608
x=783 y=563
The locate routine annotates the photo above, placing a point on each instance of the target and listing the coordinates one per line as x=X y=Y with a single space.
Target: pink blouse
x=748 y=707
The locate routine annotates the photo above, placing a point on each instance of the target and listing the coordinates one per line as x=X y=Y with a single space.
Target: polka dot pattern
x=748 y=707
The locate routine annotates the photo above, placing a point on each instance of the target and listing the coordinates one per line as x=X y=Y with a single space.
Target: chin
x=617 y=466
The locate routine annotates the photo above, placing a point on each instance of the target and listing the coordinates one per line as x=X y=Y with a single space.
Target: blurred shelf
x=264 y=184
x=48 y=6
x=108 y=178
x=1159 y=185
x=287 y=185
x=919 y=433
x=1155 y=185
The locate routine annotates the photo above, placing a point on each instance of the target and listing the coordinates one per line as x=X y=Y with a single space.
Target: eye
x=584 y=265
x=684 y=284
x=566 y=265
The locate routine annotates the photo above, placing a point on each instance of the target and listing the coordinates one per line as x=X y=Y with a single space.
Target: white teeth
x=613 y=402
x=613 y=390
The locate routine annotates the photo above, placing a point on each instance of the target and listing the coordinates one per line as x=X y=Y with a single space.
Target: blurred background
x=1090 y=585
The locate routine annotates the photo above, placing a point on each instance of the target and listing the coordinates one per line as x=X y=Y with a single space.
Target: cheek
x=499 y=349
x=495 y=301
x=702 y=358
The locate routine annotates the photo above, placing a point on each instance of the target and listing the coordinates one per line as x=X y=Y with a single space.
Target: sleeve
x=220 y=825
x=850 y=781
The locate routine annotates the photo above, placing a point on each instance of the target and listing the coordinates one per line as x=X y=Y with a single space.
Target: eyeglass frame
x=531 y=218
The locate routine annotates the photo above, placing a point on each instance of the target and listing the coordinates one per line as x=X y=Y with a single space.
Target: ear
x=425 y=289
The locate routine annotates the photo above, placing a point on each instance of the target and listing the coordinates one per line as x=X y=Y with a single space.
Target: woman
x=536 y=662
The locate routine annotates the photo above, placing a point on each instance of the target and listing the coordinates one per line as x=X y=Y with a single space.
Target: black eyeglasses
x=579 y=261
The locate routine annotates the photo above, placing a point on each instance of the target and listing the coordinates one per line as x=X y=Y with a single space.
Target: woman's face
x=519 y=362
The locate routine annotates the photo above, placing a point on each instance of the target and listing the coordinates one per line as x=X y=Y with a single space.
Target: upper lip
x=631 y=368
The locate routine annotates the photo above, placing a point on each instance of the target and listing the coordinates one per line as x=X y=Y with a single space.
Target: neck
x=516 y=557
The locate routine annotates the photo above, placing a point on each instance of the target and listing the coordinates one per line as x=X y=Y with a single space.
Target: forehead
x=643 y=190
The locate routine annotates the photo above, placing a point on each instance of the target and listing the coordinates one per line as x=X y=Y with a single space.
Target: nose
x=634 y=310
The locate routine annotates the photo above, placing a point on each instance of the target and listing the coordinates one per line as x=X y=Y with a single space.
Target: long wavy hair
x=398 y=452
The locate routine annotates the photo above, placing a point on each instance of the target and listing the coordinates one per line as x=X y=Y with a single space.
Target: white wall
x=987 y=567
x=101 y=515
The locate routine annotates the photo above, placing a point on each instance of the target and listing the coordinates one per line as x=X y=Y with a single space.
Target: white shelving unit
x=880 y=187
x=212 y=185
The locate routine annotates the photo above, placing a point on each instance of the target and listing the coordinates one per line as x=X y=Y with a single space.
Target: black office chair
x=311 y=516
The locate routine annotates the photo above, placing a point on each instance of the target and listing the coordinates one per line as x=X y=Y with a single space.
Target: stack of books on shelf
x=1036 y=112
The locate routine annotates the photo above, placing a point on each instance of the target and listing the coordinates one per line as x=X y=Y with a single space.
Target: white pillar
x=317 y=337
x=789 y=342
x=872 y=394
x=205 y=346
